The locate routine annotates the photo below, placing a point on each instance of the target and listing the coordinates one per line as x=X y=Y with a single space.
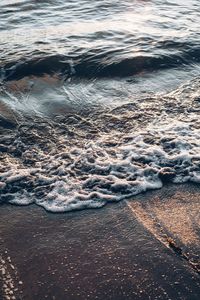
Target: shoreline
x=121 y=251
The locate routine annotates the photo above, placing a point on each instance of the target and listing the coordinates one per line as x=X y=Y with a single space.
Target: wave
x=96 y=65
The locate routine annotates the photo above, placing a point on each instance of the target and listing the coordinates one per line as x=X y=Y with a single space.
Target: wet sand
x=144 y=248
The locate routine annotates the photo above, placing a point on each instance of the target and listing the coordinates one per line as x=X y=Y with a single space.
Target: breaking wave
x=97 y=64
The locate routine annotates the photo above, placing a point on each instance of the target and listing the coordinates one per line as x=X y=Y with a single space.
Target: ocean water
x=99 y=100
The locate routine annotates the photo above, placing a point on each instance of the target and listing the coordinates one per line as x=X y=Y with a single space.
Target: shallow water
x=98 y=101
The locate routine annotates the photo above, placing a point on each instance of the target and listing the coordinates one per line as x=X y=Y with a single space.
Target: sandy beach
x=144 y=248
x=99 y=150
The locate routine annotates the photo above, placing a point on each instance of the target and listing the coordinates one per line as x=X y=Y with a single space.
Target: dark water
x=99 y=100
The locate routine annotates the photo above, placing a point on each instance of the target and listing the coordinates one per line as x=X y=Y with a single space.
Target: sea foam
x=104 y=158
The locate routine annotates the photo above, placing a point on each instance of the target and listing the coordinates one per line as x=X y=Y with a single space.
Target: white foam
x=135 y=168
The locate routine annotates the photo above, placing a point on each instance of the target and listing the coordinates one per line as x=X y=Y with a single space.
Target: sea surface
x=99 y=100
